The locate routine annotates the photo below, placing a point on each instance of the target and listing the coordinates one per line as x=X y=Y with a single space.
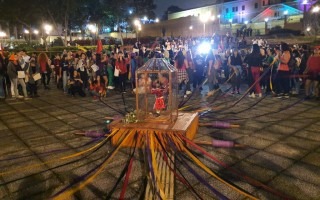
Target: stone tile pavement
x=282 y=138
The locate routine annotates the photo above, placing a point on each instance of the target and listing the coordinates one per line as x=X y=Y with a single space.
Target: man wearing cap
x=12 y=70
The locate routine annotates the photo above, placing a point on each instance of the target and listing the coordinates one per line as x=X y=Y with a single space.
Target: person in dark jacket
x=32 y=70
x=235 y=64
x=254 y=61
x=12 y=70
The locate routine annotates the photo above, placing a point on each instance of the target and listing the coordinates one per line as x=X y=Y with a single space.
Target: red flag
x=99 y=46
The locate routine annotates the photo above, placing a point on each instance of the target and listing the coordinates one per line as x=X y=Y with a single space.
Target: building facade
x=229 y=16
x=243 y=11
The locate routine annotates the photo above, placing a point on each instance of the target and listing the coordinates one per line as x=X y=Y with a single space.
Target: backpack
x=292 y=64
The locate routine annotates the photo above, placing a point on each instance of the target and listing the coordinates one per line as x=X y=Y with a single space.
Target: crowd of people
x=280 y=70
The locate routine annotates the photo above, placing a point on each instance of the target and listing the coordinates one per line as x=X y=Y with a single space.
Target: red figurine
x=159 y=103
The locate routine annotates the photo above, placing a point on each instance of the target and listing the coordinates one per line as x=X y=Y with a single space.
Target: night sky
x=162 y=5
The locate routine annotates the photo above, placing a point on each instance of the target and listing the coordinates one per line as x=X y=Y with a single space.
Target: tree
x=171 y=9
x=24 y=12
x=144 y=8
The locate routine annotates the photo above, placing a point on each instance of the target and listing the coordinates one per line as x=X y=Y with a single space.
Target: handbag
x=21 y=74
x=36 y=76
x=116 y=72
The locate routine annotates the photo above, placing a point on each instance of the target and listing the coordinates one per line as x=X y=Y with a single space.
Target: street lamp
x=26 y=32
x=315 y=10
x=204 y=19
x=2 y=35
x=266 y=25
x=94 y=30
x=190 y=27
x=157 y=20
x=137 y=24
x=47 y=28
x=230 y=21
x=308 y=29
x=36 y=32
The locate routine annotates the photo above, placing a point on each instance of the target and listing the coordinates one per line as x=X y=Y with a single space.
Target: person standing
x=181 y=64
x=254 y=61
x=82 y=69
x=284 y=71
x=32 y=70
x=235 y=63
x=199 y=65
x=313 y=72
x=212 y=73
x=122 y=67
x=12 y=70
x=45 y=70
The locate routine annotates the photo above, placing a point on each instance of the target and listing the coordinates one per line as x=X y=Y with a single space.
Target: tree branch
x=23 y=22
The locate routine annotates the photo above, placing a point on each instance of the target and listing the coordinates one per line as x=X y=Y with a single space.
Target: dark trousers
x=45 y=78
x=77 y=89
x=283 y=81
x=122 y=81
x=197 y=78
x=33 y=88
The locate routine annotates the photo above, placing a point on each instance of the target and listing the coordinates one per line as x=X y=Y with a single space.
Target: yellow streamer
x=154 y=165
x=57 y=159
x=71 y=191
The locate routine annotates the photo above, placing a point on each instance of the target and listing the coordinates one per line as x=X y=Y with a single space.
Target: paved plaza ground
x=282 y=138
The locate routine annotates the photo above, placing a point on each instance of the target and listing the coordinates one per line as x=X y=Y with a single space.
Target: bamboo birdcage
x=156 y=92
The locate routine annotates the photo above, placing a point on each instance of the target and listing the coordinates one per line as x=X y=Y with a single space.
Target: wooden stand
x=186 y=124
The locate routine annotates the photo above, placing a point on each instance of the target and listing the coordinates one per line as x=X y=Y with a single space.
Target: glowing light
x=246 y=22
x=315 y=9
x=230 y=20
x=47 y=28
x=203 y=18
x=285 y=12
x=266 y=19
x=136 y=22
x=2 y=34
x=305 y=2
x=204 y=48
x=308 y=29
x=130 y=12
x=145 y=18
x=219 y=16
x=213 y=18
x=92 y=28
x=36 y=31
x=190 y=27
x=157 y=20
x=26 y=31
